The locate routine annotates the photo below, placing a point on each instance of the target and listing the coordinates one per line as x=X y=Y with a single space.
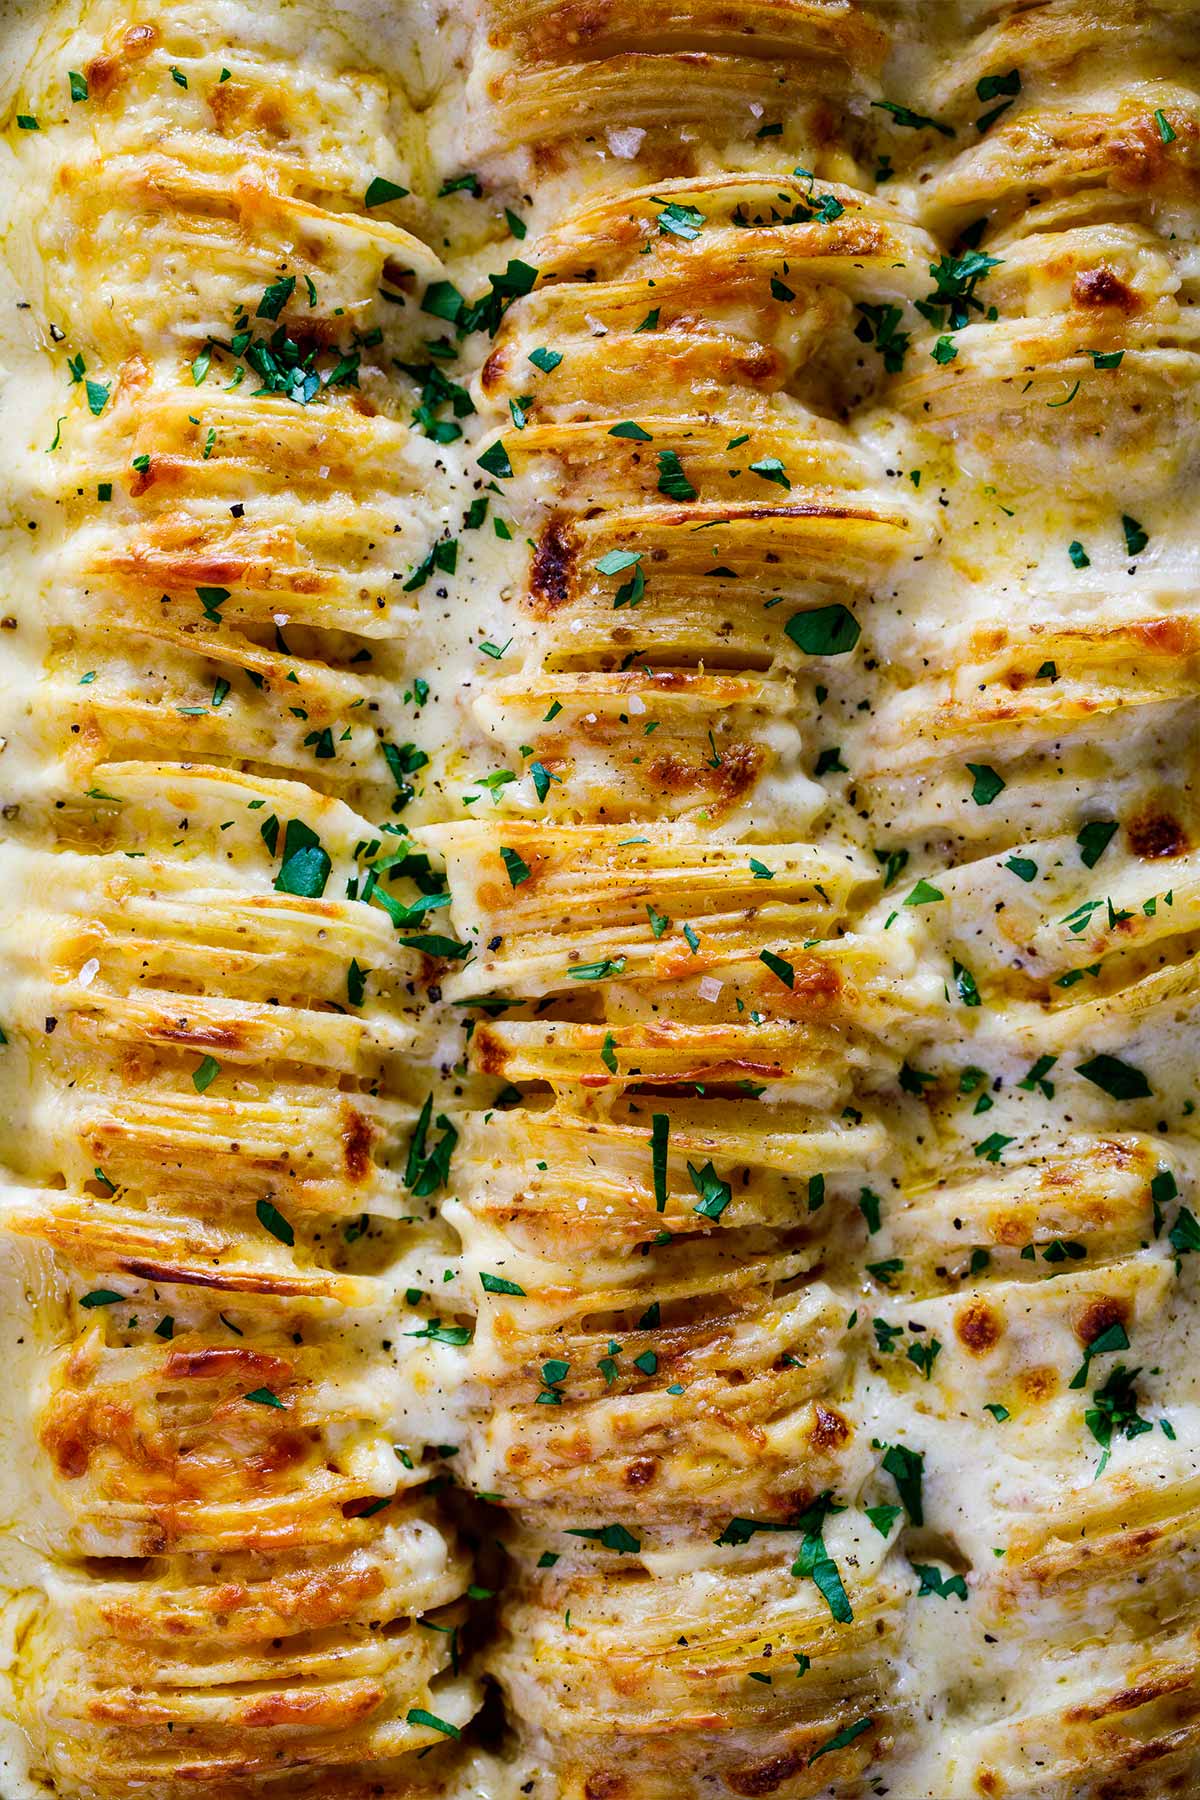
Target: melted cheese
x=598 y=751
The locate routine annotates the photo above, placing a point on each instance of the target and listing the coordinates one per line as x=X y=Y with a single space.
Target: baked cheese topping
x=597 y=745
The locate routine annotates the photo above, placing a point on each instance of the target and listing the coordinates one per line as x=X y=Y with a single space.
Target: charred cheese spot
x=765 y=1777
x=1103 y=287
x=979 y=1326
x=1156 y=834
x=1098 y=1315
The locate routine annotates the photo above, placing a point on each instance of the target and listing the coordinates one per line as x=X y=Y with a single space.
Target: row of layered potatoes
x=671 y=972
x=833 y=925
x=1037 y=729
x=238 y=1577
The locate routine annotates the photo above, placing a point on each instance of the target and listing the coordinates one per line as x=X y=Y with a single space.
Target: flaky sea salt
x=625 y=140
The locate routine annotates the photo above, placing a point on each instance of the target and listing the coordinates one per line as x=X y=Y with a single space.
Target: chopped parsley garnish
x=205 y=1073
x=953 y=300
x=714 y=1193
x=879 y=325
x=485 y=314
x=934 y=1582
x=1004 y=88
x=495 y=460
x=272 y=1220
x=923 y=1355
x=824 y=631
x=212 y=599
x=869 y=1205
x=497 y=1284
x=814 y=1562
x=660 y=1126
x=965 y=986
x=417 y=1715
x=659 y=922
x=914 y=1081
x=402 y=760
x=1035 y=1079
x=1119 y=1080
x=1184 y=1234
x=437 y=392
x=428 y=1169
x=1135 y=538
x=597 y=971
x=893 y=862
x=779 y=966
x=613 y=1537
x=886 y=1335
x=613 y=562
x=771 y=469
x=434 y=1332
x=841 y=1738
x=907 y=1468
x=442 y=300
x=306 y=864
x=515 y=864
x=987 y=783
x=1067 y=399
x=542 y=779
x=275 y=297
x=679 y=221
x=431 y=944
x=1114 y=1412
x=740 y=1531
x=1114 y=1337
x=883 y=1271
x=671 y=479
x=469 y=183
x=380 y=190
x=915 y=121
x=1060 y=1250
